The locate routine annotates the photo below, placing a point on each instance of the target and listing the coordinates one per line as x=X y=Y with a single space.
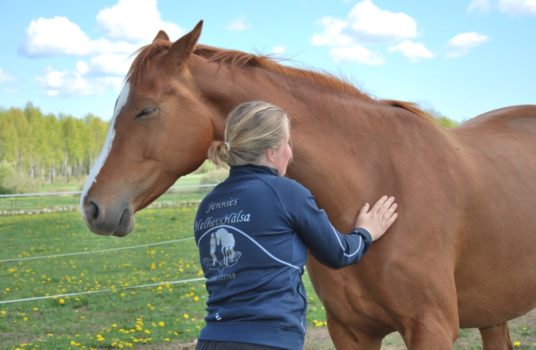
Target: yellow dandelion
x=517 y=344
x=186 y=316
x=100 y=337
x=61 y=301
x=162 y=324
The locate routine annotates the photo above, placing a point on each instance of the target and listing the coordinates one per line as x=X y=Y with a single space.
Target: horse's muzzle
x=107 y=221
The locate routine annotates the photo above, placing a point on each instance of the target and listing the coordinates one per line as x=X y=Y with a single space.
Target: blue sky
x=459 y=57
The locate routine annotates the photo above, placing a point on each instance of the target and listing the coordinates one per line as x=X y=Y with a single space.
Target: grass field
x=118 y=315
x=120 y=310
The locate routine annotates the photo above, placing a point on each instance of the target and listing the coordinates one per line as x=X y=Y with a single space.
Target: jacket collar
x=252 y=169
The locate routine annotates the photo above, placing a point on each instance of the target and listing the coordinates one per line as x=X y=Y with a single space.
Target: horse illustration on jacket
x=225 y=241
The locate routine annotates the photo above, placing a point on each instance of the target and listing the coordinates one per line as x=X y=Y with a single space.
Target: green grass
x=120 y=317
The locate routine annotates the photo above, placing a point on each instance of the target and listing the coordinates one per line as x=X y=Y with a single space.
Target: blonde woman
x=256 y=295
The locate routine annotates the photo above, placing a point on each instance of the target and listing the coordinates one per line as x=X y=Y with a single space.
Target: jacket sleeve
x=328 y=245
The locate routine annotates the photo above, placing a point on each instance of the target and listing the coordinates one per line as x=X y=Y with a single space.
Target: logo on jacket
x=222 y=251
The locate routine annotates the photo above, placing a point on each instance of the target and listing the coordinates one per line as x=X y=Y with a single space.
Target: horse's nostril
x=92 y=211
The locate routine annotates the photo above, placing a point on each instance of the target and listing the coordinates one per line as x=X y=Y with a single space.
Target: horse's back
x=503 y=138
x=499 y=239
x=515 y=119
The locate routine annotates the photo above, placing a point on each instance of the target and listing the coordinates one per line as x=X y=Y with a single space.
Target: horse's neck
x=310 y=106
x=342 y=141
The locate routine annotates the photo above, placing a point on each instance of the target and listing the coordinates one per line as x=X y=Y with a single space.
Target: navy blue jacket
x=253 y=231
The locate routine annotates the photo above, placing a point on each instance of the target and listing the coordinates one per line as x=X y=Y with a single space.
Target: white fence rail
x=37 y=203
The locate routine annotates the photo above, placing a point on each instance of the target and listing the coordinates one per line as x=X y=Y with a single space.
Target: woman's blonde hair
x=250 y=129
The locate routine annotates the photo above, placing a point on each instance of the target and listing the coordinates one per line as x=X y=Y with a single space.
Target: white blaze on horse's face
x=99 y=163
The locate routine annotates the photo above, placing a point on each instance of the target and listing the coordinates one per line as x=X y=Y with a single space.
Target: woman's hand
x=378 y=220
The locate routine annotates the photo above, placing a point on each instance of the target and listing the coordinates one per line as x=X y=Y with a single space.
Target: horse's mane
x=408 y=106
x=242 y=59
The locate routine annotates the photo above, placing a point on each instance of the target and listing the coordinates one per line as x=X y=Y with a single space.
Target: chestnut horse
x=463 y=251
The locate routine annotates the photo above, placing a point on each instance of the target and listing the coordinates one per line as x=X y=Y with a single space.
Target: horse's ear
x=161 y=36
x=182 y=48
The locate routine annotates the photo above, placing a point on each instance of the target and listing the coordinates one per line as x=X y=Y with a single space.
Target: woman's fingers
x=390 y=210
x=391 y=220
x=379 y=204
x=383 y=205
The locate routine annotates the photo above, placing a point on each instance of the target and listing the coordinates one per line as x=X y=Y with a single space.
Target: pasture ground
x=119 y=310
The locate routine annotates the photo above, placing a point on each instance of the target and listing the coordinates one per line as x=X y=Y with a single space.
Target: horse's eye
x=146 y=112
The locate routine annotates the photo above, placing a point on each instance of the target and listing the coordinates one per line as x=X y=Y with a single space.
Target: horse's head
x=160 y=131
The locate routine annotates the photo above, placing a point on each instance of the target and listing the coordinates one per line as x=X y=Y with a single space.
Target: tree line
x=42 y=149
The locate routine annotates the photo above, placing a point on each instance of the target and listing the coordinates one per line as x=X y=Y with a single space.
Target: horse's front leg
x=350 y=339
x=431 y=331
x=496 y=338
x=430 y=318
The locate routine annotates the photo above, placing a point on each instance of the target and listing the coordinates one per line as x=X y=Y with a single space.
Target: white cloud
x=333 y=34
x=110 y=64
x=370 y=22
x=82 y=67
x=135 y=21
x=479 y=6
x=367 y=24
x=64 y=83
x=60 y=36
x=5 y=77
x=77 y=82
x=460 y=44
x=412 y=50
x=518 y=7
x=509 y=7
x=53 y=36
x=356 y=53
x=100 y=46
x=126 y=26
x=91 y=77
x=238 y=25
